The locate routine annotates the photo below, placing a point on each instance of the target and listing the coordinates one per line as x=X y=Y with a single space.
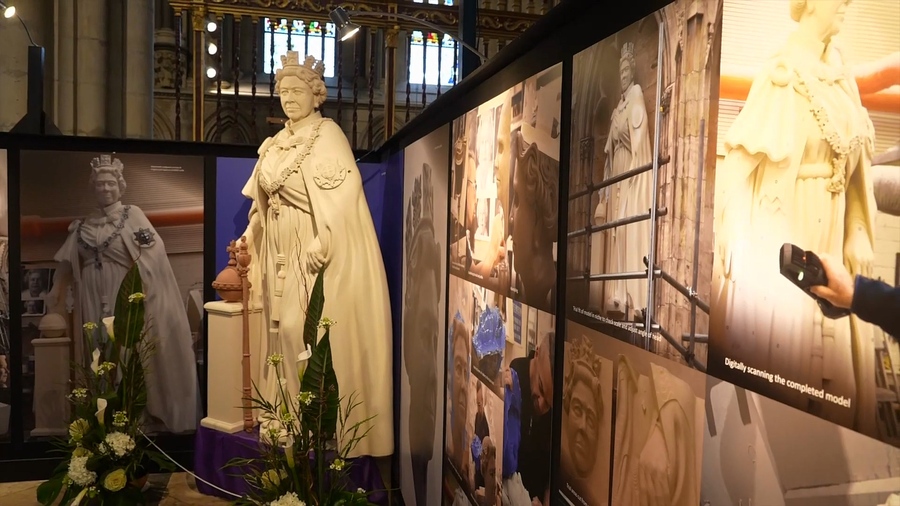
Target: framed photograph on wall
x=86 y=218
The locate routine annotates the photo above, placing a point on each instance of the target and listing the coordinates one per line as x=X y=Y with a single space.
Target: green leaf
x=314 y=312
x=321 y=380
x=48 y=491
x=129 y=323
x=160 y=460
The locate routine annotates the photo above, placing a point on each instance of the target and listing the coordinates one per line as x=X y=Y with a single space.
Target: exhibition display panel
x=578 y=278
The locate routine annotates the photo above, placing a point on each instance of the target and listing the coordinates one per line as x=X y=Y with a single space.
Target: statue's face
x=581 y=421
x=421 y=330
x=34 y=282
x=106 y=189
x=626 y=75
x=501 y=159
x=297 y=98
x=828 y=15
x=460 y=386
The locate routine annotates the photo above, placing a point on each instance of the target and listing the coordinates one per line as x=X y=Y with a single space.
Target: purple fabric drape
x=214 y=449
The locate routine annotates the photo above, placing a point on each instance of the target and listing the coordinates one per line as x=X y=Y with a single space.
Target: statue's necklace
x=98 y=250
x=272 y=188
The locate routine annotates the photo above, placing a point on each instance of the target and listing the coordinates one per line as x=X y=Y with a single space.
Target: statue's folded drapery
x=308 y=198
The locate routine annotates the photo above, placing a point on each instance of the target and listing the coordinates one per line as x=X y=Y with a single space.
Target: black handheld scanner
x=804 y=269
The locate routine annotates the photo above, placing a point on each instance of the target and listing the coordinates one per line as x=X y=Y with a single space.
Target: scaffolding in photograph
x=647 y=321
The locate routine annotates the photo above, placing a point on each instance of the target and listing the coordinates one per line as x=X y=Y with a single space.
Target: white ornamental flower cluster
x=79 y=473
x=289 y=499
x=118 y=443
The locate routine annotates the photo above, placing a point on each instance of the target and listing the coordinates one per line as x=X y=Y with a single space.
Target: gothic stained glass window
x=432 y=57
x=307 y=39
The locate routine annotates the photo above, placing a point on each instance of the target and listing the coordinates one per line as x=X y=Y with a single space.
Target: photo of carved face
x=827 y=15
x=523 y=218
x=106 y=189
x=35 y=283
x=582 y=427
x=421 y=327
x=297 y=98
x=460 y=384
x=626 y=74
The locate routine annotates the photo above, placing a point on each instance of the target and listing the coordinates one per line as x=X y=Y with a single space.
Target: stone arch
x=232 y=126
x=163 y=127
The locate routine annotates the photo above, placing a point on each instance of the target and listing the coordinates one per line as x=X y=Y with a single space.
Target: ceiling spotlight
x=212 y=49
x=211 y=73
x=345 y=27
x=211 y=26
x=9 y=11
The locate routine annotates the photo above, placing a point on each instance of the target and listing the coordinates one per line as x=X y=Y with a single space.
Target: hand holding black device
x=804 y=269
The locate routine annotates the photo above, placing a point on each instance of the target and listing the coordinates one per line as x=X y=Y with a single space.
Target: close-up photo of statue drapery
x=98 y=252
x=309 y=214
x=797 y=169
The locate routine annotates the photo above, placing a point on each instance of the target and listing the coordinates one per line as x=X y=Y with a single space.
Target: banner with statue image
x=807 y=157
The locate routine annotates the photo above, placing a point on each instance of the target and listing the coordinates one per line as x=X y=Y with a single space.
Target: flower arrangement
x=301 y=462
x=106 y=450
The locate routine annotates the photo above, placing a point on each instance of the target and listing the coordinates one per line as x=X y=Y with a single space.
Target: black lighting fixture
x=35 y=120
x=347 y=28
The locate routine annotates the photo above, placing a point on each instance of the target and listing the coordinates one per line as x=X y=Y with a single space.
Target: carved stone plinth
x=225 y=378
x=51 y=373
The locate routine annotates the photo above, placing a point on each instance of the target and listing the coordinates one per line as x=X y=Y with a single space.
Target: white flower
x=327 y=323
x=79 y=473
x=338 y=464
x=110 y=323
x=136 y=297
x=79 y=394
x=305 y=398
x=79 y=497
x=289 y=499
x=95 y=361
x=360 y=490
x=120 y=419
x=275 y=359
x=101 y=410
x=119 y=443
x=303 y=362
x=89 y=326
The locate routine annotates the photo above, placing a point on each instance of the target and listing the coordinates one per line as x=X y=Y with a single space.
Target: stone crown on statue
x=310 y=64
x=106 y=162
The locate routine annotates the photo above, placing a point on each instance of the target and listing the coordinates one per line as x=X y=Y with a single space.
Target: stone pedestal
x=225 y=389
x=51 y=379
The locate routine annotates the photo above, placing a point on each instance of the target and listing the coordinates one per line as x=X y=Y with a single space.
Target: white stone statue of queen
x=309 y=213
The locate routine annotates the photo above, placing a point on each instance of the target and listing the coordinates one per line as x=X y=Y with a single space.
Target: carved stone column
x=64 y=110
x=139 y=53
x=91 y=34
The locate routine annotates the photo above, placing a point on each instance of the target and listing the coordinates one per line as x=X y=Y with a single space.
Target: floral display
x=106 y=450
x=303 y=461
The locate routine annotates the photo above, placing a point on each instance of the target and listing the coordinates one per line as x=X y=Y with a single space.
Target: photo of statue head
x=424 y=315
x=460 y=341
x=534 y=222
x=806 y=136
x=586 y=423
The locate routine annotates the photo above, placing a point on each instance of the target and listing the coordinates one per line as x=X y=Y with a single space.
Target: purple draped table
x=213 y=450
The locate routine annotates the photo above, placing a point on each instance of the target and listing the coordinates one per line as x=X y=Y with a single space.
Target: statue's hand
x=653 y=475
x=314 y=258
x=858 y=254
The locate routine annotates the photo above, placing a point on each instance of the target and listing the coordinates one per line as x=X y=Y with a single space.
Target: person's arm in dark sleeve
x=877 y=303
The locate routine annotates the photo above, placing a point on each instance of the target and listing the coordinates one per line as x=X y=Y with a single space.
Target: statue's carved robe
x=322 y=203
x=778 y=174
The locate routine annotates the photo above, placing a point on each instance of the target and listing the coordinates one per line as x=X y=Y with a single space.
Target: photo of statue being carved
x=798 y=168
x=628 y=146
x=98 y=252
x=309 y=213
